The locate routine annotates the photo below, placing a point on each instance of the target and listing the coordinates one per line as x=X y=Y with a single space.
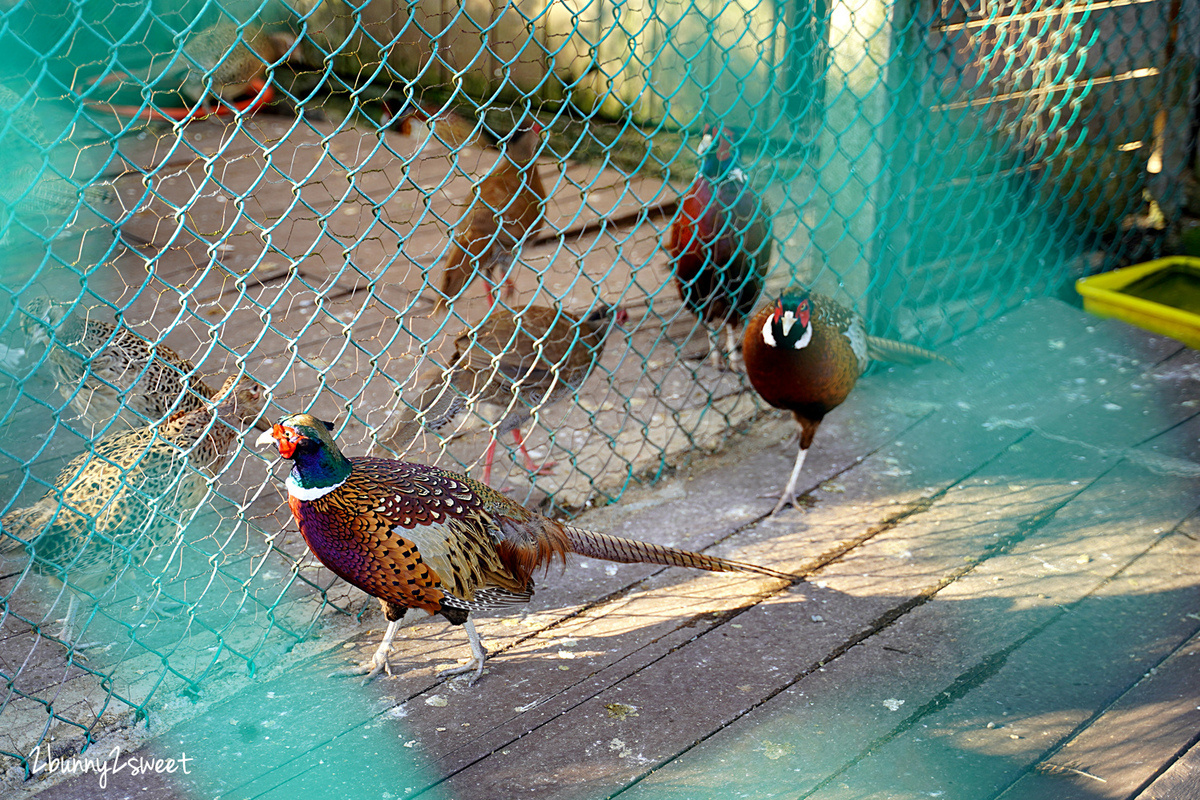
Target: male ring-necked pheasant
x=107 y=372
x=720 y=243
x=112 y=506
x=420 y=537
x=519 y=361
x=804 y=353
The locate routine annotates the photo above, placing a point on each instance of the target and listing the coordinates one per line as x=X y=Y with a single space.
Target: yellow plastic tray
x=1102 y=295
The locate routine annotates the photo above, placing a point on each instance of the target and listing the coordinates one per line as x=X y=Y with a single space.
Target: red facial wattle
x=802 y=314
x=287 y=447
x=724 y=153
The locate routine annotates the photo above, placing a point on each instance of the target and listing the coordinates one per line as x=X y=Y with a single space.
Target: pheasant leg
x=545 y=469
x=478 y=656
x=67 y=635
x=716 y=356
x=789 y=494
x=379 y=661
x=488 y=457
x=508 y=290
x=733 y=356
x=65 y=632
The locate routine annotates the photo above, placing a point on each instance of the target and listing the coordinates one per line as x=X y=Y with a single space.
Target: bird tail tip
x=880 y=349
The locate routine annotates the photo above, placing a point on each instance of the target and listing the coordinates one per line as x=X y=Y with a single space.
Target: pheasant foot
x=475 y=663
x=378 y=663
x=67 y=635
x=800 y=502
x=546 y=468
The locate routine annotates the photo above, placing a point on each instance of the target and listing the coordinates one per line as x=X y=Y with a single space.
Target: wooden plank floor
x=1000 y=601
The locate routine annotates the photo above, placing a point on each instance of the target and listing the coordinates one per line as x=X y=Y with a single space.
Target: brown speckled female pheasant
x=452 y=128
x=111 y=507
x=804 y=353
x=419 y=537
x=33 y=192
x=106 y=372
x=521 y=362
x=505 y=211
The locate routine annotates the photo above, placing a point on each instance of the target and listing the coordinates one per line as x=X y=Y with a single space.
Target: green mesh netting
x=241 y=183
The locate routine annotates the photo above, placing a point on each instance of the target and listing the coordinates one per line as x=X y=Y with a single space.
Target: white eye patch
x=803 y=341
x=768 y=337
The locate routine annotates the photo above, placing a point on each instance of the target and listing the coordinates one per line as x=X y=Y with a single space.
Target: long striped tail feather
x=880 y=349
x=630 y=551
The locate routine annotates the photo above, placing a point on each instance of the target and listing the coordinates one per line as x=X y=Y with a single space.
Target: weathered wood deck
x=1000 y=601
x=1000 y=595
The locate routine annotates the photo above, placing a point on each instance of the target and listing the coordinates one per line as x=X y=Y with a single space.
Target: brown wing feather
x=411 y=534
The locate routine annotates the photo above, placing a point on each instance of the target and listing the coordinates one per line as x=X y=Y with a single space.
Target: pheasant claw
x=787 y=499
x=378 y=663
x=370 y=668
x=789 y=494
x=470 y=666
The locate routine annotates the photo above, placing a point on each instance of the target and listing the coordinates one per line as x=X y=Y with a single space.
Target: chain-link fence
x=273 y=192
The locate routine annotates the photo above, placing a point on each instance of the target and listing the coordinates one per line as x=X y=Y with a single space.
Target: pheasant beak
x=279 y=435
x=786 y=322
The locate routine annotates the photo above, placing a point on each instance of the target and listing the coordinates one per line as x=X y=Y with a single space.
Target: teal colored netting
x=931 y=165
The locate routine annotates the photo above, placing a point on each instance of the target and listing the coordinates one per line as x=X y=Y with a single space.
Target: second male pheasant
x=804 y=353
x=720 y=243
